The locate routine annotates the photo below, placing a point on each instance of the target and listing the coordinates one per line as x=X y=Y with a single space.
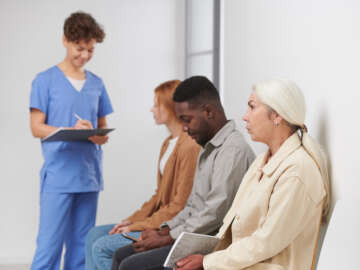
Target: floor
x=15 y=267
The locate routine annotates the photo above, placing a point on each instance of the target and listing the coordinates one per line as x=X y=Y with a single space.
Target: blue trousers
x=100 y=246
x=65 y=219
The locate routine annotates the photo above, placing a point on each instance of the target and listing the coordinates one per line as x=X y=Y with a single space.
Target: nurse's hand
x=83 y=124
x=100 y=140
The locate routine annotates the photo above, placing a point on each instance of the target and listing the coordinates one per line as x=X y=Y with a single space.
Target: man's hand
x=165 y=231
x=100 y=140
x=148 y=233
x=153 y=241
x=121 y=227
x=192 y=262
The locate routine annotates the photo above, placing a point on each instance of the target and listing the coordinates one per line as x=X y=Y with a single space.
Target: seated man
x=222 y=163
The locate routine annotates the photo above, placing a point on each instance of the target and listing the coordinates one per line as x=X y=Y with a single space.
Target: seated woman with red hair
x=176 y=168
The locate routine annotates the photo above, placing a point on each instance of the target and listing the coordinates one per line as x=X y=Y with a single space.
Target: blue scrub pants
x=100 y=246
x=65 y=219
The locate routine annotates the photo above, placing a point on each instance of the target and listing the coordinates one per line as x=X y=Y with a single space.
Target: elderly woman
x=275 y=217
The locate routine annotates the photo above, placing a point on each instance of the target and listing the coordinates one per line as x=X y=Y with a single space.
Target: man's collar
x=222 y=134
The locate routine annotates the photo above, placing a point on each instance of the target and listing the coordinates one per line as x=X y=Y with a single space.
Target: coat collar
x=288 y=147
x=182 y=137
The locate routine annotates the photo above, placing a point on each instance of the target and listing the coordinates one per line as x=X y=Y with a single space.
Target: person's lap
x=100 y=246
x=125 y=258
x=93 y=235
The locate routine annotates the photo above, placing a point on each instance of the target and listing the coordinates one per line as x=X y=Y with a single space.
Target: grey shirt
x=221 y=166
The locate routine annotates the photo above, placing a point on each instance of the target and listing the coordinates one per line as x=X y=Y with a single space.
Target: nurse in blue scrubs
x=71 y=176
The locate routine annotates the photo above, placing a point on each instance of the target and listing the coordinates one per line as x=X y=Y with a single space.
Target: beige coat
x=274 y=220
x=173 y=187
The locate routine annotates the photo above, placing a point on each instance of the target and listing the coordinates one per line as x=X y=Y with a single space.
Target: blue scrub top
x=70 y=166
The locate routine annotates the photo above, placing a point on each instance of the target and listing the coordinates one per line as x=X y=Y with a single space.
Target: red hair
x=164 y=95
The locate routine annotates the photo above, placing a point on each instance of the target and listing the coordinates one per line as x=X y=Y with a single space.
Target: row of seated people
x=267 y=211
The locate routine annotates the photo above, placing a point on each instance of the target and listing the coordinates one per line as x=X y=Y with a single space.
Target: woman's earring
x=276 y=124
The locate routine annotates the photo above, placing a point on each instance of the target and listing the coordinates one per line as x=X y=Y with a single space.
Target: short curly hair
x=81 y=26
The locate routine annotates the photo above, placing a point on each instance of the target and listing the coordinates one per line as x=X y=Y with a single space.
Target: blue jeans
x=100 y=246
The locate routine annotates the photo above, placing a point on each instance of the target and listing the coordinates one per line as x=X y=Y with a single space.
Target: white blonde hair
x=285 y=97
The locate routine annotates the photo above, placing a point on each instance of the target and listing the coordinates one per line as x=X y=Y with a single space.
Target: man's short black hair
x=196 y=90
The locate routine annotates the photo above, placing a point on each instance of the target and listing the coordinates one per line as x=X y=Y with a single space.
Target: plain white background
x=315 y=43
x=144 y=46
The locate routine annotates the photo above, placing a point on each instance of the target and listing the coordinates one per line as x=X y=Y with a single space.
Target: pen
x=78 y=117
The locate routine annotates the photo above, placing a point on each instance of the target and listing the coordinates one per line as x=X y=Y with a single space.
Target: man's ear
x=209 y=111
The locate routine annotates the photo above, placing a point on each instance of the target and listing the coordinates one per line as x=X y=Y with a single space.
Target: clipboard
x=62 y=134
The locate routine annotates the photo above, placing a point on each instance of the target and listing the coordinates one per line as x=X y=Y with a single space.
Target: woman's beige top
x=173 y=186
x=275 y=216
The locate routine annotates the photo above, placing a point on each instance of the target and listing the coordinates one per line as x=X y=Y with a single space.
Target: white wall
x=143 y=47
x=314 y=43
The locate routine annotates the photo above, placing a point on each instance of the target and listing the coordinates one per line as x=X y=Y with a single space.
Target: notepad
x=190 y=243
x=63 y=134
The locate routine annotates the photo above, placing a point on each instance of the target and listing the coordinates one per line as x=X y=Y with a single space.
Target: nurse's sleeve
x=290 y=210
x=105 y=106
x=39 y=96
